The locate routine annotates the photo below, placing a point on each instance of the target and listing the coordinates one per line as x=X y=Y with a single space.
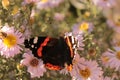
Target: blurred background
x=54 y=18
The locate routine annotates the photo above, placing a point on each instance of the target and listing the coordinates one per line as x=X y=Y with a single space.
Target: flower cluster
x=84 y=35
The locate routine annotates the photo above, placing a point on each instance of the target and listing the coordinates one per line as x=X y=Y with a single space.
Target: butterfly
x=56 y=53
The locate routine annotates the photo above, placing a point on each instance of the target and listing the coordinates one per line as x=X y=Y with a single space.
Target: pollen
x=44 y=1
x=105 y=0
x=118 y=43
x=15 y=10
x=92 y=52
x=87 y=14
x=10 y=40
x=84 y=26
x=34 y=62
x=118 y=55
x=117 y=24
x=105 y=59
x=5 y=4
x=85 y=73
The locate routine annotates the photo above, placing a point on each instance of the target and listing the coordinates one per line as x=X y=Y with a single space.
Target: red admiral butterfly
x=55 y=52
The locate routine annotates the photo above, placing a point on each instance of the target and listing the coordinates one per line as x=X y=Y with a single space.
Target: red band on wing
x=69 y=68
x=39 y=51
x=52 y=67
x=70 y=46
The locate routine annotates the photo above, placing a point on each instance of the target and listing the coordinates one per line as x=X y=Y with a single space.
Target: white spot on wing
x=32 y=46
x=74 y=46
x=35 y=40
x=73 y=39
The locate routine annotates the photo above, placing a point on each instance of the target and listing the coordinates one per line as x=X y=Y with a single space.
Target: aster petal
x=113 y=61
x=24 y=62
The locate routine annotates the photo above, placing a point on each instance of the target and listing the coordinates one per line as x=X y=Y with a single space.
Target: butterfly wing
x=54 y=52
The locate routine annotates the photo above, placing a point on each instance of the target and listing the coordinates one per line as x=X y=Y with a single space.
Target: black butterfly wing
x=53 y=51
x=33 y=44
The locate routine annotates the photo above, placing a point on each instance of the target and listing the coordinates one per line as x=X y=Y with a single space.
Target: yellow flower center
x=118 y=55
x=105 y=59
x=5 y=4
x=44 y=1
x=15 y=10
x=118 y=43
x=87 y=14
x=92 y=52
x=117 y=24
x=105 y=0
x=85 y=73
x=116 y=19
x=10 y=40
x=34 y=62
x=84 y=26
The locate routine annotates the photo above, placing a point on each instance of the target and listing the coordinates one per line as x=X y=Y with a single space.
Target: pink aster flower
x=104 y=3
x=45 y=4
x=34 y=66
x=107 y=78
x=10 y=44
x=116 y=39
x=113 y=58
x=30 y=1
x=105 y=59
x=77 y=64
x=114 y=25
x=86 y=70
x=24 y=29
x=73 y=68
x=82 y=27
x=59 y=16
x=112 y=77
x=56 y=2
x=80 y=41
